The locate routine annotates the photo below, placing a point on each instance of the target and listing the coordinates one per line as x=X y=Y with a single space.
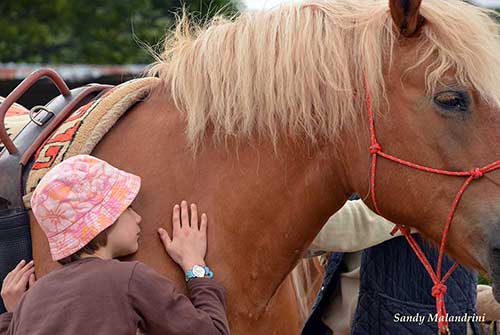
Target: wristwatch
x=199 y=271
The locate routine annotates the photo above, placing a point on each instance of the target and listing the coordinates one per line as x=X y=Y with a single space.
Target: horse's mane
x=296 y=68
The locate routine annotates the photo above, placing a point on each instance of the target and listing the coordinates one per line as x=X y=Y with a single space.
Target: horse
x=262 y=121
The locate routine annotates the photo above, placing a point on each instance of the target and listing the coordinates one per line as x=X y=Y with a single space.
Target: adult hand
x=486 y=303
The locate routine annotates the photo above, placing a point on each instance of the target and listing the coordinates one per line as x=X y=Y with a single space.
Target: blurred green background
x=91 y=32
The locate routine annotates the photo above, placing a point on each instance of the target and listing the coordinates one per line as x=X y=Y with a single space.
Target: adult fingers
x=481 y=288
x=194 y=216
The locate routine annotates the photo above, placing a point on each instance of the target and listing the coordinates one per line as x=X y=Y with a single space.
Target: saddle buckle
x=36 y=110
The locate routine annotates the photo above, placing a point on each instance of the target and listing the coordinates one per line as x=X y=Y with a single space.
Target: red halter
x=439 y=288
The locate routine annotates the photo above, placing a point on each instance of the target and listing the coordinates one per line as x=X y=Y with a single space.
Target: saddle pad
x=16 y=119
x=84 y=128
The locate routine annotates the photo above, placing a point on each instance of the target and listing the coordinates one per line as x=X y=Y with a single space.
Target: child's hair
x=90 y=248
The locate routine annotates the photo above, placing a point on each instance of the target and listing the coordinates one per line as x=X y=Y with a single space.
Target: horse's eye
x=452 y=101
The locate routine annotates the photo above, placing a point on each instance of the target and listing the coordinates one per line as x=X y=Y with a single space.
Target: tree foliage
x=92 y=32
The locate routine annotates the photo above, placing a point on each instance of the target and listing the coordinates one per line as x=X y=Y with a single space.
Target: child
x=83 y=206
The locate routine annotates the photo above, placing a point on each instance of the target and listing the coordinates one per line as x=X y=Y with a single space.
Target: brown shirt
x=101 y=297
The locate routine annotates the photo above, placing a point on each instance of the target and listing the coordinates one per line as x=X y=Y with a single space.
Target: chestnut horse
x=262 y=121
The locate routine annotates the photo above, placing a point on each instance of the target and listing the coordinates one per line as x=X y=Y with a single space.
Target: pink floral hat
x=79 y=198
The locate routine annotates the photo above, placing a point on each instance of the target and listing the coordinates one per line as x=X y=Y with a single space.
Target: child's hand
x=14 y=284
x=188 y=245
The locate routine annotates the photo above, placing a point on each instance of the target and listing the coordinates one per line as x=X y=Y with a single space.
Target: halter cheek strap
x=439 y=288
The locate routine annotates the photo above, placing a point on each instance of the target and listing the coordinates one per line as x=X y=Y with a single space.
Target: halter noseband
x=439 y=288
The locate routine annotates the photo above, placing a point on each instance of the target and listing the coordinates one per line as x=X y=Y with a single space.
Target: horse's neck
x=264 y=206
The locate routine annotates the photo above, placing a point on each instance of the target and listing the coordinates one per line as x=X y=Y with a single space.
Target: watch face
x=198 y=271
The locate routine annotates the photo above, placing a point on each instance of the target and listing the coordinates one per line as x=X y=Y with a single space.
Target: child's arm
x=163 y=310
x=13 y=288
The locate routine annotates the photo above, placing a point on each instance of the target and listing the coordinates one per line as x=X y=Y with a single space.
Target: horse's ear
x=406 y=16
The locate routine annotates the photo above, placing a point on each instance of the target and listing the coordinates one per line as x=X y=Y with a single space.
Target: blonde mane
x=296 y=68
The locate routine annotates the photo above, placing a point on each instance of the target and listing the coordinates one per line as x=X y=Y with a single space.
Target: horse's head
x=440 y=108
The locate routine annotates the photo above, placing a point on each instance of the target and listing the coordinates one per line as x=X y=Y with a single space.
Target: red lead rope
x=439 y=288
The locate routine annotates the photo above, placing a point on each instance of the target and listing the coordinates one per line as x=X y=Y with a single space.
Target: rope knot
x=404 y=230
x=476 y=173
x=439 y=290
x=375 y=148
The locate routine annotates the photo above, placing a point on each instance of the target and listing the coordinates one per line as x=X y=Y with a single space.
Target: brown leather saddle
x=17 y=157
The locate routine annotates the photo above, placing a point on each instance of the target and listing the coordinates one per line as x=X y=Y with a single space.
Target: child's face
x=123 y=237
